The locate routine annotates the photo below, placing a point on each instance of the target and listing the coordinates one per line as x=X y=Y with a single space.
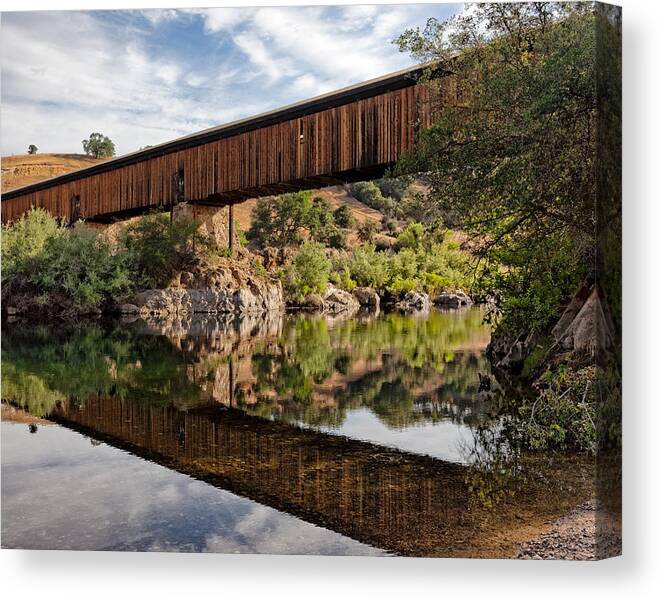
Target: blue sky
x=144 y=77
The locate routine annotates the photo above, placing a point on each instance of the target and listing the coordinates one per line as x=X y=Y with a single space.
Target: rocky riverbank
x=575 y=536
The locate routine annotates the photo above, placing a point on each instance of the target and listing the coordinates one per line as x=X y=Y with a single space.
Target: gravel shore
x=572 y=537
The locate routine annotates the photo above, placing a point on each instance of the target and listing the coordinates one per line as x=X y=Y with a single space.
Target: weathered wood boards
x=291 y=153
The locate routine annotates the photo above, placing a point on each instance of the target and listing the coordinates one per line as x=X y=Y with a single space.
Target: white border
x=101 y=575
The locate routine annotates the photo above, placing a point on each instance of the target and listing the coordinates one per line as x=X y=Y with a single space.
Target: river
x=297 y=434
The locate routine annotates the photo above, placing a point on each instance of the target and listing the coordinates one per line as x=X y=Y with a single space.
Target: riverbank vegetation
x=309 y=241
x=516 y=162
x=55 y=270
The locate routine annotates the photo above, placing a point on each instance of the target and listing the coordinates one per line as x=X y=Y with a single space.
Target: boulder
x=367 y=297
x=413 y=302
x=590 y=328
x=453 y=300
x=312 y=302
x=337 y=300
x=129 y=309
x=229 y=291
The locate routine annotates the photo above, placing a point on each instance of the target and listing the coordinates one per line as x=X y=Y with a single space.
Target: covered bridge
x=351 y=134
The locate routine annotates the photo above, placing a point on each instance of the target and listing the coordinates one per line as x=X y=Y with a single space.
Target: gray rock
x=337 y=300
x=367 y=297
x=453 y=300
x=129 y=309
x=234 y=293
x=413 y=302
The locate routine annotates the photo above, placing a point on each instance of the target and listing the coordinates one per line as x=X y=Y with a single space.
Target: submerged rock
x=311 y=302
x=129 y=309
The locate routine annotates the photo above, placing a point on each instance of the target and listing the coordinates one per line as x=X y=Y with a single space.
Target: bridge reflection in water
x=409 y=504
x=405 y=503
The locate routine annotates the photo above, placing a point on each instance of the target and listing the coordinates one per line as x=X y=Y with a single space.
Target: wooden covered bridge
x=351 y=134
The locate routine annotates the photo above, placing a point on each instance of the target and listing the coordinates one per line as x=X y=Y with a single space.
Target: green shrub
x=336 y=238
x=367 y=267
x=367 y=192
x=413 y=236
x=341 y=276
x=562 y=415
x=394 y=187
x=399 y=287
x=344 y=217
x=308 y=272
x=157 y=248
x=81 y=265
x=367 y=230
x=25 y=239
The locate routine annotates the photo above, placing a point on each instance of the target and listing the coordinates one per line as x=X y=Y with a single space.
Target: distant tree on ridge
x=99 y=146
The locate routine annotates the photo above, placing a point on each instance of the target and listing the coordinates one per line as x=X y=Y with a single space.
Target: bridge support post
x=231 y=228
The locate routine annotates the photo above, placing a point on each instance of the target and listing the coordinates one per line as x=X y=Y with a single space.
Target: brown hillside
x=23 y=169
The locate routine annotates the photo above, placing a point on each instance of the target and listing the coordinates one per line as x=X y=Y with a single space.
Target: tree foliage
x=99 y=146
x=308 y=272
x=32 y=149
x=511 y=159
x=277 y=220
x=280 y=221
x=158 y=248
x=344 y=217
x=77 y=265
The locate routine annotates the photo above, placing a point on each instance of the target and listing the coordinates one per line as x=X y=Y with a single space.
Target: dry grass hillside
x=23 y=169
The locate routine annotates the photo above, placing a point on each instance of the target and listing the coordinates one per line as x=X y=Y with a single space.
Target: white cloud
x=65 y=74
x=223 y=19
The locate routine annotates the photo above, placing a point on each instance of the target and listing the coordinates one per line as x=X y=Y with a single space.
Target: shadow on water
x=315 y=418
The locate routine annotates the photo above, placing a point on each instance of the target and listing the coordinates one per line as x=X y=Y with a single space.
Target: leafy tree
x=32 y=149
x=277 y=221
x=320 y=221
x=157 y=248
x=308 y=272
x=511 y=159
x=366 y=231
x=99 y=146
x=344 y=217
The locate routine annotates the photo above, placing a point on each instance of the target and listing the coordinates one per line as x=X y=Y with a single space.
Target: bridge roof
x=392 y=81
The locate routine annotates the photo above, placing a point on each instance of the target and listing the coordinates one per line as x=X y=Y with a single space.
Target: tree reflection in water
x=169 y=392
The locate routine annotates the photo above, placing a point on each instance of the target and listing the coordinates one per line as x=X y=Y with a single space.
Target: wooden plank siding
x=337 y=142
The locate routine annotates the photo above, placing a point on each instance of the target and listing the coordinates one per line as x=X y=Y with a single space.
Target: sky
x=145 y=77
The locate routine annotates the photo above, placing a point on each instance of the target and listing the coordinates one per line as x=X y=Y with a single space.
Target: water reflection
x=399 y=380
x=398 y=393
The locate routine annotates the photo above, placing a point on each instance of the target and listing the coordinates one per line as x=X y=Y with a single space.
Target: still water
x=290 y=434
